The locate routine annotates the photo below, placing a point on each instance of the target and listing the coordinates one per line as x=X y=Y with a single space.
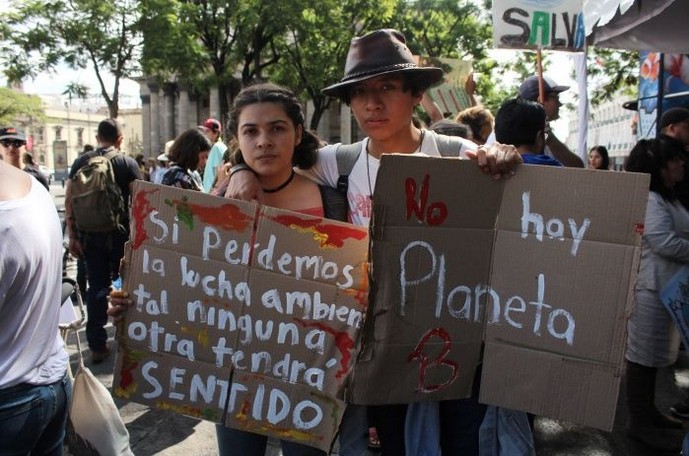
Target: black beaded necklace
x=281 y=186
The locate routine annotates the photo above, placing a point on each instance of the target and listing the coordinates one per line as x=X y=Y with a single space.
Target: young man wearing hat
x=554 y=147
x=213 y=129
x=382 y=85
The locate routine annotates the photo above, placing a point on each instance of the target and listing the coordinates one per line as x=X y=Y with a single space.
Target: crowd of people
x=274 y=159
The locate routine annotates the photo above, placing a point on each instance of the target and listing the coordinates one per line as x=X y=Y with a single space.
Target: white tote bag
x=95 y=420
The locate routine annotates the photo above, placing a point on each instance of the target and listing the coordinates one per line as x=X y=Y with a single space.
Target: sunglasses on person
x=12 y=142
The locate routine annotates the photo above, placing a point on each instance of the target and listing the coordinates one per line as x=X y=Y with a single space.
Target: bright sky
x=55 y=83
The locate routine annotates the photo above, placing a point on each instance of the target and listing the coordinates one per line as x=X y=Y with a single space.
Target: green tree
x=75 y=90
x=611 y=72
x=445 y=28
x=17 y=108
x=222 y=43
x=315 y=46
x=459 y=29
x=79 y=33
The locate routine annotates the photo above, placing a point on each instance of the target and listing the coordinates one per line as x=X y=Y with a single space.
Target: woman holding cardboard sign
x=653 y=339
x=268 y=123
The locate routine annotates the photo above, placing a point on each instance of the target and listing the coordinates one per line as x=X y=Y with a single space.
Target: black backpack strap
x=334 y=203
x=346 y=156
x=449 y=146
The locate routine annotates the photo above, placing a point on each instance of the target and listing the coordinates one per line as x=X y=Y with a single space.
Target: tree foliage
x=314 y=49
x=444 y=28
x=610 y=72
x=221 y=43
x=79 y=33
x=17 y=108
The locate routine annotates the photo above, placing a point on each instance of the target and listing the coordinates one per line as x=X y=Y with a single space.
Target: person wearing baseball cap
x=555 y=148
x=13 y=143
x=213 y=129
x=382 y=84
x=675 y=123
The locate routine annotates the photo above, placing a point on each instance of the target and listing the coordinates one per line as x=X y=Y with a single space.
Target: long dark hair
x=650 y=156
x=603 y=152
x=187 y=147
x=305 y=152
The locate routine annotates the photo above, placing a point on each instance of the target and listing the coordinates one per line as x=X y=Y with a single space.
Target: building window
x=80 y=137
x=58 y=133
x=39 y=135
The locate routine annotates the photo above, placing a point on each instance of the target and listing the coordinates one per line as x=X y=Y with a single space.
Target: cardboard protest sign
x=244 y=315
x=675 y=298
x=536 y=271
x=545 y=24
x=450 y=95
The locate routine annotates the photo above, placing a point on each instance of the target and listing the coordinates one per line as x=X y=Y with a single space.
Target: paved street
x=154 y=432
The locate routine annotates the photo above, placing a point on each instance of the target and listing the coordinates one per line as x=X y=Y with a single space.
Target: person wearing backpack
x=382 y=85
x=97 y=210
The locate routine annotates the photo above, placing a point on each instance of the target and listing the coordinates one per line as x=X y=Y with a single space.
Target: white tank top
x=31 y=351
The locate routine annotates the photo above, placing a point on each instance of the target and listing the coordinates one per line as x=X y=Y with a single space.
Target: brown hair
x=187 y=147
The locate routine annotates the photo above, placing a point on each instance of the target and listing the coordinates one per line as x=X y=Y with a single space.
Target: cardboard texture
x=244 y=315
x=536 y=271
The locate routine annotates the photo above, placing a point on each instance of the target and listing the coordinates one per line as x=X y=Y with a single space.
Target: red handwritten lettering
x=437 y=211
x=425 y=362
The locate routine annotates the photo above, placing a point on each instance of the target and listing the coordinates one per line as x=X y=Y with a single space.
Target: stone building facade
x=170 y=108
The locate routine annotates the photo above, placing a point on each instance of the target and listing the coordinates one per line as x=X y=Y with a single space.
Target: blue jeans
x=445 y=427
x=506 y=432
x=33 y=418
x=102 y=253
x=243 y=443
x=353 y=432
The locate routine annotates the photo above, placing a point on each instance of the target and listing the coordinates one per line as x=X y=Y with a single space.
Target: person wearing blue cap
x=529 y=90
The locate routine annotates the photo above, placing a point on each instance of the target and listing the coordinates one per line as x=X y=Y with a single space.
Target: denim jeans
x=243 y=443
x=33 y=418
x=445 y=427
x=506 y=432
x=102 y=253
x=353 y=432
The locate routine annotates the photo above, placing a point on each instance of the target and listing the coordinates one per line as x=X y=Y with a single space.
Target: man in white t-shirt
x=382 y=85
x=35 y=390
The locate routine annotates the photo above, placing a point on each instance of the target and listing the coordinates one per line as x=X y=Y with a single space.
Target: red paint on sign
x=343 y=342
x=328 y=234
x=228 y=216
x=141 y=207
x=436 y=212
x=425 y=363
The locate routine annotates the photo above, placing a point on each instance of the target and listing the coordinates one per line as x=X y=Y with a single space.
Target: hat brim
x=430 y=75
x=557 y=89
x=13 y=136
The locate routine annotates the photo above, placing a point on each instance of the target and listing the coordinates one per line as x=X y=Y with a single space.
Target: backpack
x=98 y=205
x=347 y=155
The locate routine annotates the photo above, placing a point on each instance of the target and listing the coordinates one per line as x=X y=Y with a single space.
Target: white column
x=154 y=132
x=183 y=110
x=345 y=124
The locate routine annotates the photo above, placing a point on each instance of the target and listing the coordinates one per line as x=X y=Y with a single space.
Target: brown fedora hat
x=380 y=52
